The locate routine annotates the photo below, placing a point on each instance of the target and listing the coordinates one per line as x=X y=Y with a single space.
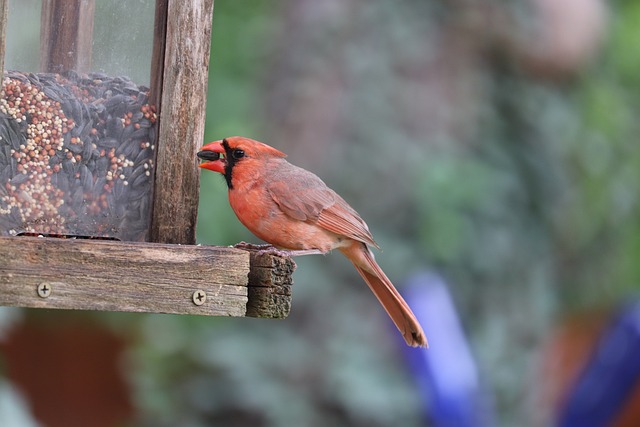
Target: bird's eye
x=237 y=154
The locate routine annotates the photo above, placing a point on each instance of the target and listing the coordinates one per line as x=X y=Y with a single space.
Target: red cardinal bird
x=291 y=208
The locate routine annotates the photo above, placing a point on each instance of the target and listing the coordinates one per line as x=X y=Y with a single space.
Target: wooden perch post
x=270 y=286
x=186 y=42
x=104 y=275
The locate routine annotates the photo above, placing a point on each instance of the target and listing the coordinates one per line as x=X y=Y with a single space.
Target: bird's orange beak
x=210 y=155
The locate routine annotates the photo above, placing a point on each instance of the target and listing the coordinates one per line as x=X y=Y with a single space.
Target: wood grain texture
x=104 y=275
x=3 y=32
x=182 y=115
x=117 y=276
x=157 y=54
x=66 y=35
x=270 y=280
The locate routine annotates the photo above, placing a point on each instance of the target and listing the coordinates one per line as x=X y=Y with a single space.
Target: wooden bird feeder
x=98 y=177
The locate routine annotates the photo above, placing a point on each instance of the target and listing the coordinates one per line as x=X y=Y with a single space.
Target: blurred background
x=492 y=144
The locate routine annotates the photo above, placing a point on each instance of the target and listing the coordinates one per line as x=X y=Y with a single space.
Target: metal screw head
x=199 y=297
x=44 y=290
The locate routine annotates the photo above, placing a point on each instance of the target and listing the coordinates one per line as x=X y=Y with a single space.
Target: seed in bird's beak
x=209 y=156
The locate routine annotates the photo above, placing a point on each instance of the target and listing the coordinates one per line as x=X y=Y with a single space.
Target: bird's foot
x=252 y=246
x=272 y=250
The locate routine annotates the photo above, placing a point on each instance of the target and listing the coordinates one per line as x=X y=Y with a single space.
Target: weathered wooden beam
x=157 y=53
x=182 y=113
x=83 y=274
x=66 y=35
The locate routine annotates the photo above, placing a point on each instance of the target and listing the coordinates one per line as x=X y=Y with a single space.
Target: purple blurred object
x=446 y=372
x=610 y=376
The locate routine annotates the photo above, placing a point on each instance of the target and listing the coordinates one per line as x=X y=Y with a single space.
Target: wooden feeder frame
x=169 y=274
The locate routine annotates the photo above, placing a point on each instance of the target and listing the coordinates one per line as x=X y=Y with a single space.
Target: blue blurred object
x=446 y=373
x=610 y=376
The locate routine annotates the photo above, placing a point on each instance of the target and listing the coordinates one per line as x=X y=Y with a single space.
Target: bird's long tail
x=397 y=308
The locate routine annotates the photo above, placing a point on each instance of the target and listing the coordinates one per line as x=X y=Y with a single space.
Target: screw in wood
x=44 y=290
x=199 y=297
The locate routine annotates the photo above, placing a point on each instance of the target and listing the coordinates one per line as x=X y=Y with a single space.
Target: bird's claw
x=252 y=246
x=272 y=250
x=262 y=249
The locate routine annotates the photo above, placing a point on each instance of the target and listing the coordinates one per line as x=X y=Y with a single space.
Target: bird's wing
x=341 y=218
x=307 y=198
x=300 y=194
